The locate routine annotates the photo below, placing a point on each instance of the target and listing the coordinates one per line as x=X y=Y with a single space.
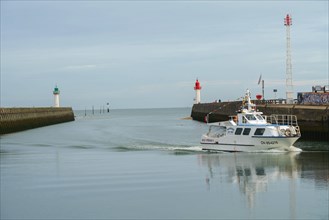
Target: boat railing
x=282 y=120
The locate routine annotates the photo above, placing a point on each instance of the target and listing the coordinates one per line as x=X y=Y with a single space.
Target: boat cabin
x=248 y=119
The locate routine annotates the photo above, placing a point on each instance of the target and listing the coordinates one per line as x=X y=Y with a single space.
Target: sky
x=148 y=54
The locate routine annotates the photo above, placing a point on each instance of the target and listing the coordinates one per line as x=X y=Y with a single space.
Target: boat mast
x=247 y=98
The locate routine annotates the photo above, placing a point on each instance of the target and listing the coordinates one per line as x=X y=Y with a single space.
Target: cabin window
x=259 y=131
x=251 y=117
x=259 y=117
x=246 y=131
x=238 y=131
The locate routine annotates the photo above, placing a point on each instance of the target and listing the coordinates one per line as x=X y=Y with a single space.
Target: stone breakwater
x=313 y=120
x=19 y=119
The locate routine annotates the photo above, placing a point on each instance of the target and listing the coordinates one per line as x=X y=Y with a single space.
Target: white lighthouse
x=197 y=89
x=56 y=96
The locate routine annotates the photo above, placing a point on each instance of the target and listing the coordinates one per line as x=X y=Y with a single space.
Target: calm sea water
x=148 y=164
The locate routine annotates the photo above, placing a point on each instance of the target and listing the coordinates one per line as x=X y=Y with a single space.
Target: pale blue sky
x=145 y=54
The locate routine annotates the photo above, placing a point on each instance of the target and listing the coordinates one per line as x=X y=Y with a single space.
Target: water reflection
x=253 y=173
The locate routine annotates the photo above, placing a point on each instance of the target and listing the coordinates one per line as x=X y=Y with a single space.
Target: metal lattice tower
x=289 y=86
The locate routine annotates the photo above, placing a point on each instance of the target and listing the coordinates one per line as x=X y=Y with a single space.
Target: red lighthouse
x=197 y=89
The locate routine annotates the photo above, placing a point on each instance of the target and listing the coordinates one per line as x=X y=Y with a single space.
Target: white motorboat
x=249 y=130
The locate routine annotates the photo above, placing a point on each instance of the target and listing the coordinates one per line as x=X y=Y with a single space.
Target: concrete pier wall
x=19 y=119
x=312 y=119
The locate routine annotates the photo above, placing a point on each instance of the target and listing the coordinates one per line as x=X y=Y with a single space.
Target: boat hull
x=254 y=144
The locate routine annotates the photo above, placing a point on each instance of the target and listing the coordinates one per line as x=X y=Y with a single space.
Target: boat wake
x=294 y=149
x=191 y=149
x=158 y=147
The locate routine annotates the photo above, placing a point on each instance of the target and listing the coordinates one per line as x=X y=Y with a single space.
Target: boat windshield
x=251 y=117
x=259 y=117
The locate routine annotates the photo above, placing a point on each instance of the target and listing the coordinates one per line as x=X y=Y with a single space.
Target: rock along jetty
x=19 y=119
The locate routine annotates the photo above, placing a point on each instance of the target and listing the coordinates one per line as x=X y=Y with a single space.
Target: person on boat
x=235 y=119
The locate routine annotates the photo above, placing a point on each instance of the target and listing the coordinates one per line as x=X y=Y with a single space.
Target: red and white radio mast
x=289 y=86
